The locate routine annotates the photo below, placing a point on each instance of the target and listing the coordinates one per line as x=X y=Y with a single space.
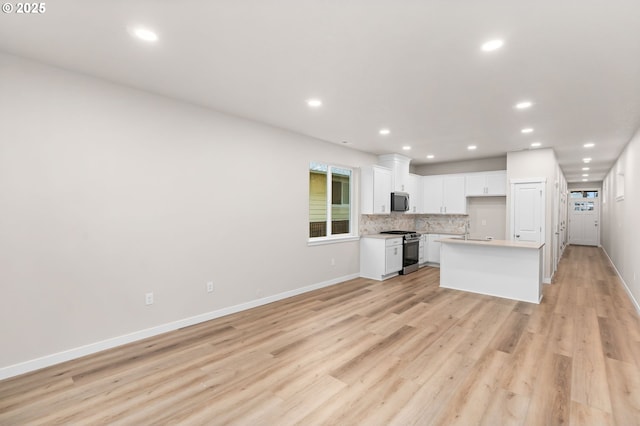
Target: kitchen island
x=502 y=268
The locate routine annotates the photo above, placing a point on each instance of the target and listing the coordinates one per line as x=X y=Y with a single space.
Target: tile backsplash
x=423 y=223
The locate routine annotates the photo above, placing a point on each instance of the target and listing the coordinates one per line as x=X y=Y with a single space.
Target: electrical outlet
x=484 y=222
x=210 y=287
x=333 y=261
x=148 y=299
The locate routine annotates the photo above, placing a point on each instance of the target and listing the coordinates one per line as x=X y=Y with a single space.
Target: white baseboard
x=624 y=284
x=547 y=280
x=59 y=357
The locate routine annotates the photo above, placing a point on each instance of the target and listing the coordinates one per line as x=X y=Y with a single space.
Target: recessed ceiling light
x=523 y=105
x=585 y=168
x=585 y=180
x=527 y=130
x=492 y=45
x=430 y=156
x=535 y=144
x=471 y=147
x=314 y=103
x=406 y=147
x=145 y=34
x=384 y=131
x=589 y=145
x=585 y=175
x=586 y=160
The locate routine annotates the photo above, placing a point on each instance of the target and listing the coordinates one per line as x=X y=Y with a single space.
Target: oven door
x=410 y=255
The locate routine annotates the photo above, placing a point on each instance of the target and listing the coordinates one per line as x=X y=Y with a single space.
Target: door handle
x=517 y=236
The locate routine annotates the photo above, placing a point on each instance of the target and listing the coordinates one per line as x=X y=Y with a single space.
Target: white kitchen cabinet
x=432 y=194
x=415 y=194
x=444 y=194
x=486 y=184
x=380 y=258
x=393 y=258
x=453 y=199
x=375 y=190
x=399 y=166
x=433 y=248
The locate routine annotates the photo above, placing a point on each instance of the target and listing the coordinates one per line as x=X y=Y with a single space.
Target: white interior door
x=584 y=218
x=528 y=211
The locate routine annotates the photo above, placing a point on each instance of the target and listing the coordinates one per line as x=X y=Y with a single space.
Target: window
x=329 y=201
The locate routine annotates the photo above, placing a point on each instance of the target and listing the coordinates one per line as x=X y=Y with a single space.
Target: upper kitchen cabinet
x=415 y=194
x=399 y=166
x=375 y=190
x=444 y=194
x=486 y=184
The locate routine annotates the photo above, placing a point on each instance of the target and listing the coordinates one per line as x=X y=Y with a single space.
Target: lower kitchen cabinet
x=433 y=248
x=380 y=258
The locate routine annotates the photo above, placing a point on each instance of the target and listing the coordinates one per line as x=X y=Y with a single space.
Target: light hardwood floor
x=399 y=352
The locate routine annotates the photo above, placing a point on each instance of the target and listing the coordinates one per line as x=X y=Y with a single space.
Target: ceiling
x=412 y=66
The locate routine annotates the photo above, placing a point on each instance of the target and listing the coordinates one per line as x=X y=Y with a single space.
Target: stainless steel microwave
x=399 y=202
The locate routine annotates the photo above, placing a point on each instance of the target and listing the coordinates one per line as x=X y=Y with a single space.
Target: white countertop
x=493 y=243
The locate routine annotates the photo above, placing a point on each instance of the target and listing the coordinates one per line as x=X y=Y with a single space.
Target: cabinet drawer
x=393 y=242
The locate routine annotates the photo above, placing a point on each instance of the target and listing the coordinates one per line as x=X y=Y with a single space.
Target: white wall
x=107 y=193
x=487 y=216
x=538 y=163
x=620 y=237
x=585 y=185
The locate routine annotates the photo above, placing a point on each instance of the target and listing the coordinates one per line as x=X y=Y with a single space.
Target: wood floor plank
x=624 y=385
x=403 y=351
x=582 y=415
x=551 y=400
x=561 y=334
x=434 y=394
x=589 y=378
x=472 y=397
x=507 y=338
x=520 y=373
x=505 y=408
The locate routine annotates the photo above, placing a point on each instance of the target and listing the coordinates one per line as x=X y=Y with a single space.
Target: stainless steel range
x=410 y=250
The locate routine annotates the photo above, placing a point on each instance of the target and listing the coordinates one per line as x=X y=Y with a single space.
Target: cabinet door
x=432 y=194
x=381 y=191
x=454 y=198
x=415 y=194
x=496 y=183
x=400 y=180
x=475 y=184
x=393 y=259
x=433 y=248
